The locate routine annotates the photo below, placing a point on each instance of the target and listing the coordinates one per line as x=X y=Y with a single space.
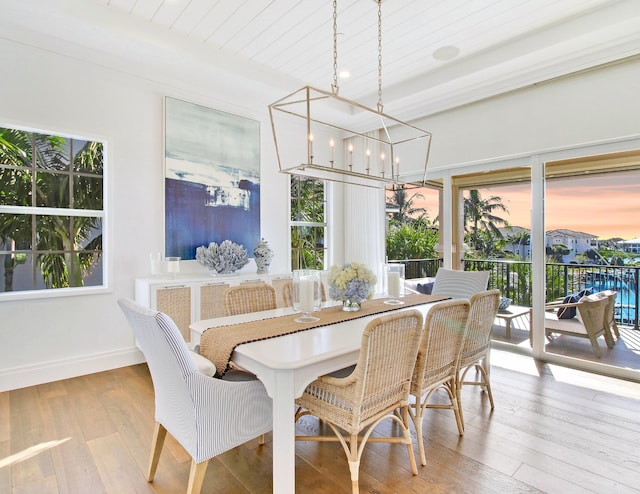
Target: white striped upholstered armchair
x=206 y=415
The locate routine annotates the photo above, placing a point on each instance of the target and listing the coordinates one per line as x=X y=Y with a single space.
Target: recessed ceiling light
x=446 y=53
x=344 y=74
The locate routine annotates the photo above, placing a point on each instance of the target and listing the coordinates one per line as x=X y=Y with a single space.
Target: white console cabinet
x=190 y=298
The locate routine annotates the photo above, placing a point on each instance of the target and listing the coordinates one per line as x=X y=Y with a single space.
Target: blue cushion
x=570 y=312
x=425 y=288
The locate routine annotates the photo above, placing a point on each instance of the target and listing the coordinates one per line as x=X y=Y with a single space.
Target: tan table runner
x=218 y=343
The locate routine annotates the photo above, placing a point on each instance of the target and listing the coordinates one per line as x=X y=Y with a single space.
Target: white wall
x=594 y=106
x=43 y=340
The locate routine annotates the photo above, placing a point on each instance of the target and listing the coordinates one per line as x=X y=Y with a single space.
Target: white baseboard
x=22 y=377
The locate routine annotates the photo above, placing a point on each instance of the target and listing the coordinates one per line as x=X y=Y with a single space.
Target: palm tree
x=523 y=237
x=407 y=212
x=67 y=246
x=479 y=216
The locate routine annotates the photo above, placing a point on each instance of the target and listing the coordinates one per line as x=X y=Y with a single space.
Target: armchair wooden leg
x=354 y=463
x=417 y=415
x=407 y=436
x=614 y=326
x=196 y=476
x=159 y=435
x=596 y=347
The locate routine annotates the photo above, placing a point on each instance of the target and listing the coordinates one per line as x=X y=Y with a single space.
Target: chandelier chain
x=380 y=56
x=334 y=86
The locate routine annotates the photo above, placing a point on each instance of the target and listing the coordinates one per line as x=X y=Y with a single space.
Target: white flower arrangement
x=354 y=282
x=224 y=258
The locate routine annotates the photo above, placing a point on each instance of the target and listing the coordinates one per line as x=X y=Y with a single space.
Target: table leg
x=507 y=327
x=284 y=438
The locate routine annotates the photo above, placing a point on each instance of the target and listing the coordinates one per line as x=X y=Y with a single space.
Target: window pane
x=15 y=232
x=15 y=187
x=88 y=157
x=87 y=193
x=52 y=190
x=18 y=274
x=52 y=152
x=307 y=240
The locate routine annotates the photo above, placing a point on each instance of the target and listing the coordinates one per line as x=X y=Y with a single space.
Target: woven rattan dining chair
x=249 y=297
x=206 y=415
x=437 y=364
x=476 y=345
x=378 y=385
x=287 y=293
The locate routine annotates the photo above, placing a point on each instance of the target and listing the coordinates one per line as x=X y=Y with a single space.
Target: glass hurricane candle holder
x=306 y=294
x=394 y=275
x=173 y=265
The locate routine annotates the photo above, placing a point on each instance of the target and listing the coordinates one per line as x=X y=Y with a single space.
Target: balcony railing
x=419 y=268
x=513 y=279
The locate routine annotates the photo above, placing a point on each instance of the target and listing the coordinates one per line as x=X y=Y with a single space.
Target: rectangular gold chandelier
x=322 y=135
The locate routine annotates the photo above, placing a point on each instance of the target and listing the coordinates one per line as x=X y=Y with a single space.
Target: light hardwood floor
x=553 y=430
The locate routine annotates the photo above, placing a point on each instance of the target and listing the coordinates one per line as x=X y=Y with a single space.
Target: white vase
x=263 y=255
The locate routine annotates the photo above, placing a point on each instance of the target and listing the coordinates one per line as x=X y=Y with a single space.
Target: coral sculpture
x=224 y=258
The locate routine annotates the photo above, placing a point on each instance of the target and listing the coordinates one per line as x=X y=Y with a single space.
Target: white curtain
x=364 y=228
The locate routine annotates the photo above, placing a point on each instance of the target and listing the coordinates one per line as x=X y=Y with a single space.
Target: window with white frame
x=308 y=223
x=51 y=211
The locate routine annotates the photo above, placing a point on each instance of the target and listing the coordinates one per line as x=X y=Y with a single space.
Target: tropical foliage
x=308 y=223
x=411 y=235
x=416 y=240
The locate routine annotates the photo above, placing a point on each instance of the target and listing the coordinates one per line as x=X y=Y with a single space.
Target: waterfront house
x=631 y=245
x=576 y=242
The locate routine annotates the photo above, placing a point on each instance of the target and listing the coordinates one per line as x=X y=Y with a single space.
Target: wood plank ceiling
x=293 y=38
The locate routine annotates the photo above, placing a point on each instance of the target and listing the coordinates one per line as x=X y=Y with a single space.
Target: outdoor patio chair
x=377 y=386
x=591 y=320
x=459 y=284
x=207 y=416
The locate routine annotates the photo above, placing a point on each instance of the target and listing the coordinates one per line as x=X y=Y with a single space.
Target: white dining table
x=286 y=365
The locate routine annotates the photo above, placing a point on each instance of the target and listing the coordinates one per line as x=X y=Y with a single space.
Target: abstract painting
x=212 y=178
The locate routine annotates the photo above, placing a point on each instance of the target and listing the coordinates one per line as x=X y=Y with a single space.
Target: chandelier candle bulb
x=350 y=155
x=311 y=148
x=331 y=145
x=368 y=161
x=382 y=157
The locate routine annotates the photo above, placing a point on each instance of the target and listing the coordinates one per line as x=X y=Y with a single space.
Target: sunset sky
x=604 y=205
